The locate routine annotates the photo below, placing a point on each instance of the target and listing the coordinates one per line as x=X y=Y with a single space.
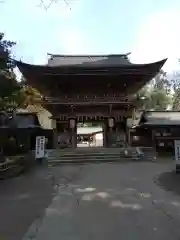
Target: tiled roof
x=96 y=60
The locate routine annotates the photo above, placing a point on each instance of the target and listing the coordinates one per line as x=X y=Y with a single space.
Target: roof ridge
x=161 y=111
x=89 y=55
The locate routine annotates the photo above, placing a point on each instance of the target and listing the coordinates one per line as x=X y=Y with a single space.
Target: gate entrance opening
x=90 y=134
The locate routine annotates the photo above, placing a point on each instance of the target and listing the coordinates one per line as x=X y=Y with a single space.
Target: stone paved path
x=112 y=201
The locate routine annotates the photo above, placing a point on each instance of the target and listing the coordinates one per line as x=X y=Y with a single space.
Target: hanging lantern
x=72 y=123
x=111 y=122
x=53 y=123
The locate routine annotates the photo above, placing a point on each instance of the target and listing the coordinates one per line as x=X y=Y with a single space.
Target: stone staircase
x=96 y=155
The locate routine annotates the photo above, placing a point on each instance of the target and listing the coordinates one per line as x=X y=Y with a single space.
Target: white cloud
x=159 y=37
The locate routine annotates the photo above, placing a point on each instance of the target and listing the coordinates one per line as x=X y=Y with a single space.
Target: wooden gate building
x=90 y=88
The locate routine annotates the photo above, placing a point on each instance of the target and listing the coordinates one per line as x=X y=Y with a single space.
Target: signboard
x=177 y=151
x=40 y=147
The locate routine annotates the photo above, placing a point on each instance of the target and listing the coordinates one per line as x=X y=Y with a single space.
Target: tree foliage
x=176 y=91
x=9 y=87
x=13 y=94
x=156 y=95
x=29 y=95
x=159 y=99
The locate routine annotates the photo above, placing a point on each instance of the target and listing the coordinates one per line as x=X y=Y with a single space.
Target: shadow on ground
x=170 y=181
x=23 y=199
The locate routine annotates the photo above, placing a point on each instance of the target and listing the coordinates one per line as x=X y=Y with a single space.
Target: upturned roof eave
x=45 y=69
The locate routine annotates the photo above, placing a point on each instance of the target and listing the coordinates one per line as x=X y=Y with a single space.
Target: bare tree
x=46 y=6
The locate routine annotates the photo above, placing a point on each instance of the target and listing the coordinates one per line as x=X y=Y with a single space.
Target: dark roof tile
x=85 y=60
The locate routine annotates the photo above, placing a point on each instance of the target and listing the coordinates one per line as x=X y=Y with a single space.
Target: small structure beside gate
x=157 y=129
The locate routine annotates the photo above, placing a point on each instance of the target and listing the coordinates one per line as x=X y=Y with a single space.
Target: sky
x=149 y=29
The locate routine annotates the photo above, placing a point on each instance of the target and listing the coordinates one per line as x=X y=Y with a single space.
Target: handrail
x=84 y=96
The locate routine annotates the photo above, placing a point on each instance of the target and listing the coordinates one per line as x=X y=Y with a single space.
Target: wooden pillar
x=129 y=124
x=55 y=135
x=73 y=132
x=111 y=122
x=154 y=139
x=126 y=132
x=105 y=133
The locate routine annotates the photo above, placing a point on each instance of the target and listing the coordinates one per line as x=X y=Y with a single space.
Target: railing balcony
x=87 y=100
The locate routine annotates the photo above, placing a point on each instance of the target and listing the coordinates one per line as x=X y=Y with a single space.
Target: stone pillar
x=55 y=135
x=73 y=132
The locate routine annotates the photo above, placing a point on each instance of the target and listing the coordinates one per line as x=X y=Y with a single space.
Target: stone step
x=89 y=160
x=90 y=154
x=95 y=159
x=92 y=160
x=85 y=155
x=93 y=156
x=91 y=151
x=102 y=148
